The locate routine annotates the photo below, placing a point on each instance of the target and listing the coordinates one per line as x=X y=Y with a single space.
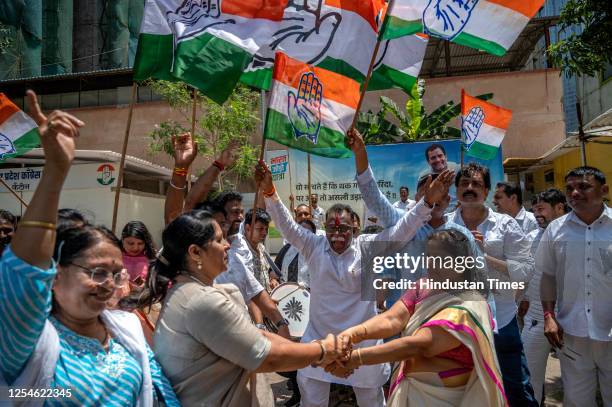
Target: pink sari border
x=471 y=333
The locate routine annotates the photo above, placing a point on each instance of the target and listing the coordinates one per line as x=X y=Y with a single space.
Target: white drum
x=293 y=302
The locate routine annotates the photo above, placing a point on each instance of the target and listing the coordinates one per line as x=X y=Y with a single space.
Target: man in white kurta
x=336 y=303
x=575 y=258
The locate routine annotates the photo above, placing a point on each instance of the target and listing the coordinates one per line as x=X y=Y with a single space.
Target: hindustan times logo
x=403 y=261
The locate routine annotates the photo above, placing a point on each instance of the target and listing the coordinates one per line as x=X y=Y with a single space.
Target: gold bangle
x=365 y=331
x=359 y=356
x=37 y=224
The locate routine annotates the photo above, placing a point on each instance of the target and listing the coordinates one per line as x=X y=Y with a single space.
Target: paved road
x=553 y=387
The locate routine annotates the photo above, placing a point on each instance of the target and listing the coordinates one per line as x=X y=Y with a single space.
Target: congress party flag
x=18 y=132
x=399 y=63
x=336 y=35
x=311 y=108
x=488 y=25
x=206 y=44
x=483 y=126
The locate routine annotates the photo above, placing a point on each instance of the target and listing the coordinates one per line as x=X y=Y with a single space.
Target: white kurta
x=335 y=285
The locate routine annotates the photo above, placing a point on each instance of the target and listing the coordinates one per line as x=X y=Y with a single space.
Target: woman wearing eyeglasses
x=56 y=334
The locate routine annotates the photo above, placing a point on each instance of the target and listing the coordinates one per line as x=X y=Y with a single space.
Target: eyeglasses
x=340 y=228
x=100 y=275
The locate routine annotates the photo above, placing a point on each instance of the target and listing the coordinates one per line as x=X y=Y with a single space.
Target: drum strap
x=292 y=270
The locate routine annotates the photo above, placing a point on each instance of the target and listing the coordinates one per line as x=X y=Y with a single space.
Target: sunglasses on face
x=100 y=275
x=340 y=228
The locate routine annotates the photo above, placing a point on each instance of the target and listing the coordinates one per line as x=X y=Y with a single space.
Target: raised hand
x=305 y=108
x=471 y=124
x=263 y=177
x=447 y=18
x=354 y=140
x=437 y=190
x=58 y=132
x=228 y=156
x=185 y=150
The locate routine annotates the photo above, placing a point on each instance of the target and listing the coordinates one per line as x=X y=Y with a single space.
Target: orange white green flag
x=18 y=132
x=488 y=25
x=340 y=36
x=483 y=126
x=205 y=43
x=310 y=108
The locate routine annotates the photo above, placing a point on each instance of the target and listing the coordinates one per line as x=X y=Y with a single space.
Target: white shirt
x=580 y=257
x=318 y=217
x=526 y=221
x=533 y=289
x=335 y=283
x=504 y=240
x=240 y=264
x=404 y=205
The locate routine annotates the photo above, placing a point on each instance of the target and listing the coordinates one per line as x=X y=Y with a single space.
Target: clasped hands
x=340 y=359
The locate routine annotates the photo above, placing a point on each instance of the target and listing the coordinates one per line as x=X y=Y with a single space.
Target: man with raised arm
x=334 y=263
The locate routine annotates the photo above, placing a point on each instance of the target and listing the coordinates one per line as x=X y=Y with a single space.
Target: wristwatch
x=260 y=326
x=282 y=322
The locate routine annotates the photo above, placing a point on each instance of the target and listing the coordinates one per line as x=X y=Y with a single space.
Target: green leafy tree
x=414 y=123
x=588 y=52
x=217 y=126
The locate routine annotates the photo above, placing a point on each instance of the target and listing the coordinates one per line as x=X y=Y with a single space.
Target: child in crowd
x=138 y=251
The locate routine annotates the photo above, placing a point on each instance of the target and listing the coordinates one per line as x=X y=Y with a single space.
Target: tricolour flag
x=483 y=126
x=337 y=35
x=488 y=25
x=206 y=44
x=399 y=63
x=311 y=108
x=18 y=132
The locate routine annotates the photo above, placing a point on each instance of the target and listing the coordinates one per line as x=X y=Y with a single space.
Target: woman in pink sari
x=445 y=355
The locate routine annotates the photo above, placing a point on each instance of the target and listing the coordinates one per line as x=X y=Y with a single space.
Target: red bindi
x=337 y=222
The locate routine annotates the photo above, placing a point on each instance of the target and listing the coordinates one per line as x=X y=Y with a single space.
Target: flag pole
x=462 y=138
x=379 y=40
x=194 y=93
x=309 y=189
x=123 y=153
x=12 y=191
x=262 y=152
x=289 y=165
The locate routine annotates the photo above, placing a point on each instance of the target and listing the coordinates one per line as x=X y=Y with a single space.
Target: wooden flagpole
x=369 y=75
x=123 y=153
x=309 y=189
x=12 y=191
x=262 y=152
x=289 y=166
x=462 y=151
x=194 y=94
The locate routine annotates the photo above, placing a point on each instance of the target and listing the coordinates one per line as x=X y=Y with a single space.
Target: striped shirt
x=95 y=377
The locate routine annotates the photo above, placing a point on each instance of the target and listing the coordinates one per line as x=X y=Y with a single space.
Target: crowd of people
x=115 y=320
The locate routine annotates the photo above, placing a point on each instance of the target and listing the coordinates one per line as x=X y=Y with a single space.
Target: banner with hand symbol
x=310 y=108
x=488 y=25
x=483 y=126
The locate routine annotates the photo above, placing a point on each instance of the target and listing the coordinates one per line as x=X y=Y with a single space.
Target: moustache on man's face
x=468 y=193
